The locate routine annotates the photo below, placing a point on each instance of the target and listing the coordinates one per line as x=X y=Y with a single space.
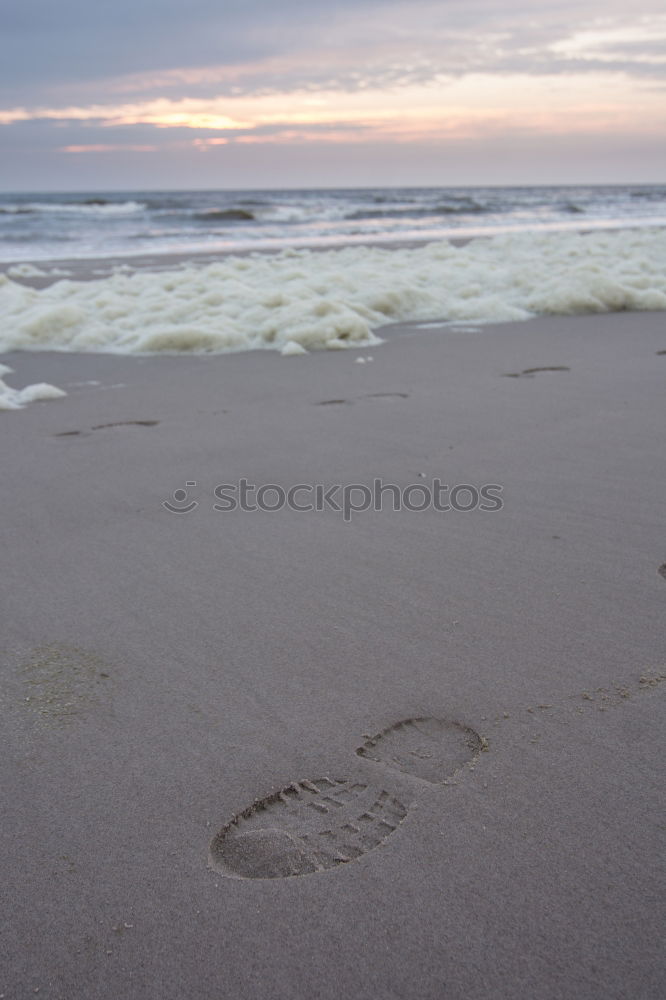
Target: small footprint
x=117 y=423
x=662 y=570
x=530 y=372
x=660 y=352
x=313 y=826
x=127 y=423
x=368 y=395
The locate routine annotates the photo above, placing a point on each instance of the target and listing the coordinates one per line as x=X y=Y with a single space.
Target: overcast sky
x=132 y=94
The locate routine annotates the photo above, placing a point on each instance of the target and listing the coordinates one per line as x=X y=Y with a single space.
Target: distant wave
x=461 y=208
x=92 y=206
x=381 y=199
x=164 y=204
x=224 y=215
x=164 y=234
x=34 y=238
x=656 y=194
x=188 y=204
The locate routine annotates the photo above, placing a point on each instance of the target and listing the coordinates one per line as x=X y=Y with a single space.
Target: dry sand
x=161 y=672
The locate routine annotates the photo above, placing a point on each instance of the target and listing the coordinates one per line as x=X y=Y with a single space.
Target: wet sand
x=161 y=672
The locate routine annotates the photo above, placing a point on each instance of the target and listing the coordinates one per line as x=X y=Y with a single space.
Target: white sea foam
x=291 y=347
x=15 y=399
x=25 y=271
x=338 y=298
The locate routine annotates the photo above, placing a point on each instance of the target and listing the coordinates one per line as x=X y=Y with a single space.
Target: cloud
x=258 y=46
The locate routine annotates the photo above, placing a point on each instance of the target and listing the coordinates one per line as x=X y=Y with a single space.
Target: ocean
x=37 y=227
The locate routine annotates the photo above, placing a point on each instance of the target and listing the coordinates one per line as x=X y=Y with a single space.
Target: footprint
x=530 y=372
x=316 y=826
x=310 y=826
x=662 y=570
x=368 y=395
x=429 y=749
x=127 y=423
x=660 y=352
x=101 y=427
x=313 y=826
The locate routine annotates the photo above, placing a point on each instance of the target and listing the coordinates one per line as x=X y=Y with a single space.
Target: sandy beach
x=333 y=579
x=163 y=671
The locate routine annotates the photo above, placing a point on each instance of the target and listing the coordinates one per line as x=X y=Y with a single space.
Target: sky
x=163 y=94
